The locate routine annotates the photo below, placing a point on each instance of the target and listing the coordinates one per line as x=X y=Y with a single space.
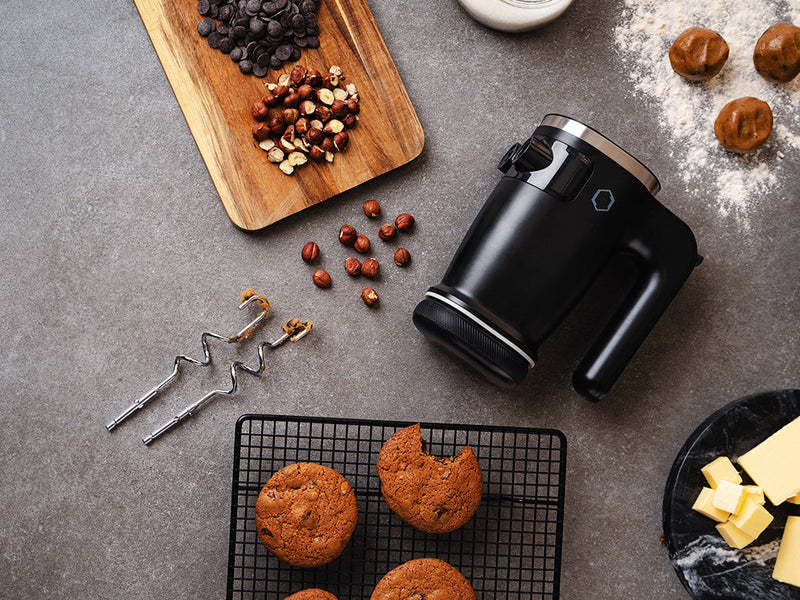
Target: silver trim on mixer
x=482 y=325
x=606 y=146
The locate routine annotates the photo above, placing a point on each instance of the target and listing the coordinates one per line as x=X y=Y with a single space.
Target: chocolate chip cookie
x=423 y=578
x=305 y=514
x=312 y=594
x=433 y=495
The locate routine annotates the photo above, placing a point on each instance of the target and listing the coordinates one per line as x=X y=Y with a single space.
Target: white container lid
x=515 y=15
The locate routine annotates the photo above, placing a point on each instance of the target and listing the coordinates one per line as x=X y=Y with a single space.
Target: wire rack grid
x=510 y=549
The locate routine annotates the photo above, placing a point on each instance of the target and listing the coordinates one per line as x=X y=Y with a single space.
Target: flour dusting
x=687 y=110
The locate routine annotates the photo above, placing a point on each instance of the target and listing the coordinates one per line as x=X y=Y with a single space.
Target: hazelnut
x=369 y=296
x=321 y=279
x=280 y=91
x=314 y=78
x=307 y=108
x=288 y=135
x=777 y=53
x=316 y=153
x=338 y=108
x=347 y=235
x=353 y=106
x=404 y=222
x=314 y=136
x=298 y=75
x=292 y=100
x=361 y=244
x=326 y=144
x=260 y=131
x=340 y=140
x=301 y=126
x=329 y=156
x=310 y=252
x=270 y=100
x=284 y=79
x=325 y=96
x=339 y=94
x=350 y=121
x=276 y=155
x=333 y=126
x=302 y=145
x=290 y=116
x=402 y=257
x=267 y=144
x=259 y=111
x=353 y=266
x=698 y=54
x=276 y=125
x=743 y=124
x=370 y=268
x=305 y=91
x=326 y=81
x=323 y=113
x=286 y=167
x=372 y=208
x=297 y=158
x=387 y=232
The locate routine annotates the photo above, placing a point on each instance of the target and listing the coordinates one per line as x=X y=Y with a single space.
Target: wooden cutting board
x=215 y=98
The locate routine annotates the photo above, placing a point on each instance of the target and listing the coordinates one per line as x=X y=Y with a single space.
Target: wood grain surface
x=215 y=98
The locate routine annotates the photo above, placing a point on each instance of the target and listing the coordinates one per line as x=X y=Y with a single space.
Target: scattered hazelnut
x=280 y=91
x=291 y=100
x=316 y=153
x=277 y=125
x=404 y=222
x=307 y=108
x=338 y=108
x=290 y=116
x=260 y=131
x=323 y=113
x=353 y=266
x=371 y=208
x=305 y=91
x=350 y=121
x=370 y=268
x=353 y=106
x=310 y=252
x=270 y=100
x=333 y=126
x=267 y=144
x=297 y=158
x=369 y=296
x=321 y=278
x=347 y=235
x=298 y=75
x=326 y=144
x=314 y=78
x=284 y=79
x=325 y=96
x=259 y=111
x=387 y=232
x=340 y=94
x=361 y=244
x=402 y=257
x=314 y=136
x=340 y=140
x=286 y=167
x=275 y=155
x=301 y=126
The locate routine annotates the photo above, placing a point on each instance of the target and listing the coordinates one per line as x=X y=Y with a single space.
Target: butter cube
x=755 y=493
x=787 y=565
x=720 y=469
x=704 y=507
x=775 y=463
x=728 y=497
x=752 y=518
x=735 y=537
x=794 y=499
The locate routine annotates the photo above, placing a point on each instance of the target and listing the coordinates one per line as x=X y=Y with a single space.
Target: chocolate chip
x=226 y=45
x=205 y=27
x=204 y=7
x=246 y=66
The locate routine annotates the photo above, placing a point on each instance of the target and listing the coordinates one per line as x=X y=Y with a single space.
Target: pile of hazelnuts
x=744 y=124
x=370 y=268
x=311 y=116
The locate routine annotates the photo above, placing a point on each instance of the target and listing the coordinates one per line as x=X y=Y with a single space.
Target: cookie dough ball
x=431 y=494
x=305 y=514
x=743 y=124
x=777 y=53
x=423 y=578
x=698 y=54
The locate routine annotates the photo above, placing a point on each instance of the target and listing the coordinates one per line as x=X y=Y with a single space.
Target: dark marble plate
x=708 y=568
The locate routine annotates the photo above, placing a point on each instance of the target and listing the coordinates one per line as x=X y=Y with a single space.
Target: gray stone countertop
x=116 y=253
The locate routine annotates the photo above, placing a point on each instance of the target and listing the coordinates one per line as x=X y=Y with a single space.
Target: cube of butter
x=775 y=463
x=728 y=497
x=720 y=469
x=755 y=493
x=735 y=537
x=787 y=565
x=752 y=518
x=704 y=507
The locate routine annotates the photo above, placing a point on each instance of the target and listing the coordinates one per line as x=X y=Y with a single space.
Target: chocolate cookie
x=305 y=514
x=312 y=594
x=422 y=579
x=431 y=494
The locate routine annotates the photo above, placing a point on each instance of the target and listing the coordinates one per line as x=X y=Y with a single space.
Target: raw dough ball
x=743 y=124
x=698 y=54
x=777 y=53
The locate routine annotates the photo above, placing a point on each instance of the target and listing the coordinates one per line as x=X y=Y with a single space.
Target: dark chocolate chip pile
x=259 y=35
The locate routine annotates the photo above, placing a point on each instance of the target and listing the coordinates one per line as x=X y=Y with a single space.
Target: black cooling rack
x=510 y=549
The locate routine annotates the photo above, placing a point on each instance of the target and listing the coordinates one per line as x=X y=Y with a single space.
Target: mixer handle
x=666 y=253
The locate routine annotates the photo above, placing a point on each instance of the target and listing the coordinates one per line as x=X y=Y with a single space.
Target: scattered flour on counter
x=735 y=183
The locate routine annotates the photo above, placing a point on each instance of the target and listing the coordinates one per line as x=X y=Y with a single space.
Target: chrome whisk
x=248 y=298
x=294 y=330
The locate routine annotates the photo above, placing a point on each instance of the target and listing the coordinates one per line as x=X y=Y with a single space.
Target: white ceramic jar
x=515 y=15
